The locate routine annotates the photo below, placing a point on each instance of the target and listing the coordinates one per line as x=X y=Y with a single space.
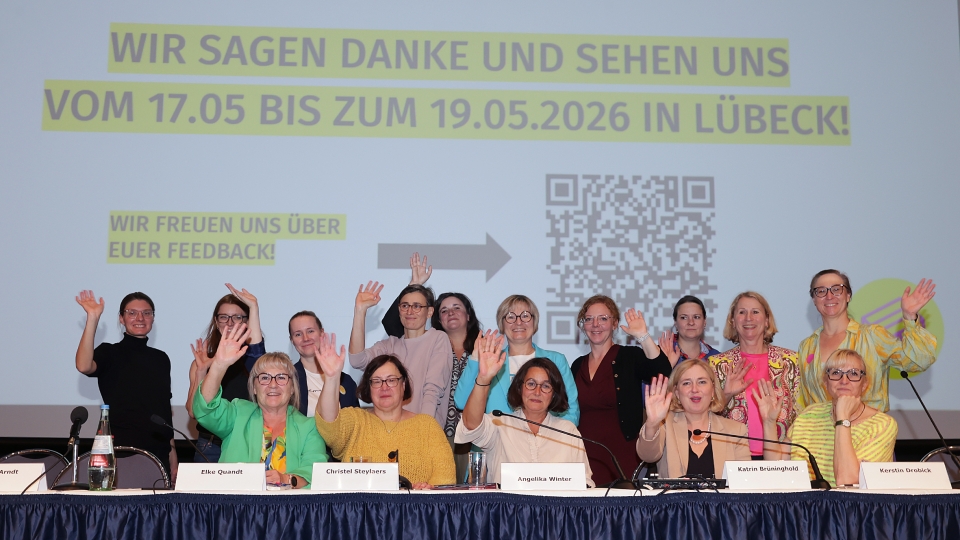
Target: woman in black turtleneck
x=134 y=379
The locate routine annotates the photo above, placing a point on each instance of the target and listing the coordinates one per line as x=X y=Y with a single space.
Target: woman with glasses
x=845 y=430
x=454 y=314
x=424 y=353
x=750 y=324
x=134 y=379
x=609 y=381
x=914 y=352
x=388 y=432
x=266 y=429
x=537 y=393
x=517 y=321
x=238 y=307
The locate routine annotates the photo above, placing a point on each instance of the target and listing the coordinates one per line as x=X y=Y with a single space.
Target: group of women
x=672 y=400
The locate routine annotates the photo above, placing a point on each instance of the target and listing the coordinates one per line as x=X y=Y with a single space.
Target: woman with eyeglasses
x=134 y=379
x=845 y=430
x=537 y=393
x=609 y=381
x=425 y=353
x=517 y=320
x=755 y=360
x=238 y=307
x=454 y=314
x=266 y=429
x=387 y=432
x=914 y=352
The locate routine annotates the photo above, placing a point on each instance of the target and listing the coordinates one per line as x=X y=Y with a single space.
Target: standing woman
x=238 y=307
x=517 y=319
x=880 y=351
x=306 y=331
x=609 y=383
x=751 y=326
x=134 y=379
x=424 y=353
x=690 y=319
x=454 y=314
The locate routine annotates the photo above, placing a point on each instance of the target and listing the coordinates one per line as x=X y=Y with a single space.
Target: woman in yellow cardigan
x=269 y=428
x=387 y=432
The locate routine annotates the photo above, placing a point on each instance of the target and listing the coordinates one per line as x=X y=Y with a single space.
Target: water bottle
x=102 y=469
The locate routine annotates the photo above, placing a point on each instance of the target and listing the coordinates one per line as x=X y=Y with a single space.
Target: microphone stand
x=157 y=419
x=946 y=447
x=621 y=483
x=817 y=483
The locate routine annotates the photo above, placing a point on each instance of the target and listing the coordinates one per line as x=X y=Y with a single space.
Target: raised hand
x=737 y=380
x=325 y=354
x=419 y=272
x=913 y=301
x=657 y=400
x=232 y=345
x=369 y=296
x=768 y=404
x=667 y=346
x=89 y=303
x=243 y=295
x=636 y=326
x=490 y=355
x=200 y=357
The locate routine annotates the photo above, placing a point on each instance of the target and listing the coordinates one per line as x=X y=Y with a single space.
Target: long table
x=817 y=515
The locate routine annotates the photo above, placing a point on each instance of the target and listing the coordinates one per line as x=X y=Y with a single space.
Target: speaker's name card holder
x=752 y=475
x=221 y=477
x=543 y=476
x=355 y=477
x=15 y=476
x=904 y=475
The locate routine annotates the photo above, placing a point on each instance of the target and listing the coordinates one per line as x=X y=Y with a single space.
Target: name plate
x=786 y=475
x=904 y=475
x=355 y=477
x=221 y=477
x=543 y=476
x=15 y=476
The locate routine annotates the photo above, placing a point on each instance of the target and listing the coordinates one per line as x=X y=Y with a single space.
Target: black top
x=631 y=367
x=701 y=466
x=391 y=320
x=134 y=381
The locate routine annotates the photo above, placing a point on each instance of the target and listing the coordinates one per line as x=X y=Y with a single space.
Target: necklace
x=863 y=407
x=705 y=436
x=389 y=431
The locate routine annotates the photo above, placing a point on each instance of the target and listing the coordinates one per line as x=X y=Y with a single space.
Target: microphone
x=906 y=376
x=395 y=456
x=817 y=483
x=156 y=419
x=78 y=416
x=621 y=483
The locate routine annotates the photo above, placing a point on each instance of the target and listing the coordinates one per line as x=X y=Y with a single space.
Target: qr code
x=643 y=242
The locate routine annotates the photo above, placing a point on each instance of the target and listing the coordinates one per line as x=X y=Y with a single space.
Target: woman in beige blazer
x=689 y=401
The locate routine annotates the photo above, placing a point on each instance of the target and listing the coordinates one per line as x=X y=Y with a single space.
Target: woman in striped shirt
x=845 y=430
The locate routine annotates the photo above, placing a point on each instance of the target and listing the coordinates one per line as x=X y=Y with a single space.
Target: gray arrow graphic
x=490 y=256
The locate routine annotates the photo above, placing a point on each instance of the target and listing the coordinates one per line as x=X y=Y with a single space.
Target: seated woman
x=416 y=441
x=675 y=408
x=845 y=430
x=270 y=430
x=535 y=392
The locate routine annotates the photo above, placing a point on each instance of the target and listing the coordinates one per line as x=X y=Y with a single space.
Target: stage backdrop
x=638 y=149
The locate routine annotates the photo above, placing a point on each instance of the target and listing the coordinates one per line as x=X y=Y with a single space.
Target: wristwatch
x=844 y=423
x=293 y=477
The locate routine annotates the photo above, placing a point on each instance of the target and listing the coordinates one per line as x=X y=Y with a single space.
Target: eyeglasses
x=132 y=313
x=512 y=317
x=416 y=308
x=602 y=320
x=821 y=292
x=265 y=378
x=237 y=319
x=532 y=385
x=853 y=375
x=391 y=382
